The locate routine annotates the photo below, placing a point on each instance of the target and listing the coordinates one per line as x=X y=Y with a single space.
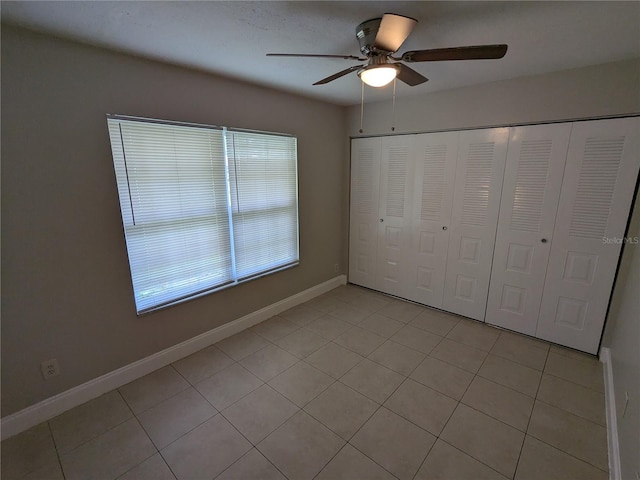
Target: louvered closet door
x=530 y=192
x=396 y=170
x=597 y=190
x=479 y=172
x=364 y=219
x=434 y=174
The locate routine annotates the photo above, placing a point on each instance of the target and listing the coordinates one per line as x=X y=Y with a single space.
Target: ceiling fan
x=380 y=38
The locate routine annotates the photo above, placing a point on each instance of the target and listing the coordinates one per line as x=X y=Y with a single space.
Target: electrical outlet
x=50 y=368
x=336 y=267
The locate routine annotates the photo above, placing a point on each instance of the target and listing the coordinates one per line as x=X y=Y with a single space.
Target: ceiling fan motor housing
x=366 y=33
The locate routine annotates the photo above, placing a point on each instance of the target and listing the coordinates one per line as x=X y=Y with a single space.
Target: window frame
x=229 y=163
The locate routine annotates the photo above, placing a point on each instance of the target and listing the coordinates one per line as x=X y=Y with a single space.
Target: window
x=203 y=207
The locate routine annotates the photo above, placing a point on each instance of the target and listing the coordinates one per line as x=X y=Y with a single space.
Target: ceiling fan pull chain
x=393 y=108
x=361 y=106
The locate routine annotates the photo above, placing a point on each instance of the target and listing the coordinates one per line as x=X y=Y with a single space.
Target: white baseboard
x=53 y=406
x=615 y=470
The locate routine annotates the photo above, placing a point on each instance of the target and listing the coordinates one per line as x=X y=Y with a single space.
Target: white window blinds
x=264 y=205
x=202 y=207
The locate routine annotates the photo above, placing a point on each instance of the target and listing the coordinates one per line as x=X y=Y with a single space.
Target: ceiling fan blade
x=475 y=52
x=345 y=57
x=393 y=31
x=338 y=75
x=409 y=75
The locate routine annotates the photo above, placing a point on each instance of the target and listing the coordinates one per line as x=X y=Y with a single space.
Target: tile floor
x=351 y=385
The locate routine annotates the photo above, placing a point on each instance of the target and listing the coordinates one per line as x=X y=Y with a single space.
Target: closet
x=520 y=227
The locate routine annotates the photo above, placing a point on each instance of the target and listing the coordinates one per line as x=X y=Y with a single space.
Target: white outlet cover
x=50 y=368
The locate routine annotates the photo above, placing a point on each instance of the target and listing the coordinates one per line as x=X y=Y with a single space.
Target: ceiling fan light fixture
x=378 y=75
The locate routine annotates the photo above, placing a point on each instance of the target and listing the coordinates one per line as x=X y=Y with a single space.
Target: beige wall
x=66 y=287
x=622 y=337
x=610 y=89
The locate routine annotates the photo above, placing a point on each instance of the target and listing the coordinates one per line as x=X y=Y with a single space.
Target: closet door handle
x=444 y=228
x=381 y=220
x=544 y=240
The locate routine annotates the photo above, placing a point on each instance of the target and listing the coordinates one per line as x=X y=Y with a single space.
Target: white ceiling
x=232 y=38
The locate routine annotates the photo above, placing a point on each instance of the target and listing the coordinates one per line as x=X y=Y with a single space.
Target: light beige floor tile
x=401 y=311
x=521 y=349
x=89 y=420
x=301 y=315
x=51 y=472
x=475 y=334
x=301 y=383
x=349 y=313
x=435 y=321
x=370 y=302
x=502 y=403
x=350 y=464
x=206 y=451
x=176 y=416
x=328 y=327
x=586 y=373
x=242 y=344
x=398 y=358
x=421 y=405
x=443 y=377
x=260 y=413
x=445 y=462
x=572 y=434
x=417 y=339
x=359 y=340
x=325 y=303
x=484 y=438
x=574 y=398
x=372 y=380
x=268 y=362
x=152 y=389
x=275 y=328
x=334 y=359
x=153 y=468
x=383 y=326
x=302 y=343
x=109 y=455
x=460 y=355
x=510 y=374
x=575 y=354
x=228 y=386
x=301 y=447
x=252 y=466
x=394 y=443
x=28 y=451
x=341 y=409
x=346 y=292
x=541 y=461
x=202 y=364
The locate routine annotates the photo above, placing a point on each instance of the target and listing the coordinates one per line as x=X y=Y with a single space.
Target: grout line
x=55 y=447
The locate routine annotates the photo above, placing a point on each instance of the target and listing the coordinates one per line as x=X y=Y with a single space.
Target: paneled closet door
x=530 y=193
x=364 y=219
x=434 y=174
x=599 y=181
x=479 y=173
x=396 y=174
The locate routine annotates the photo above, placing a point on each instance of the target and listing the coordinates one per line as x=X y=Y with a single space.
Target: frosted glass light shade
x=378 y=76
